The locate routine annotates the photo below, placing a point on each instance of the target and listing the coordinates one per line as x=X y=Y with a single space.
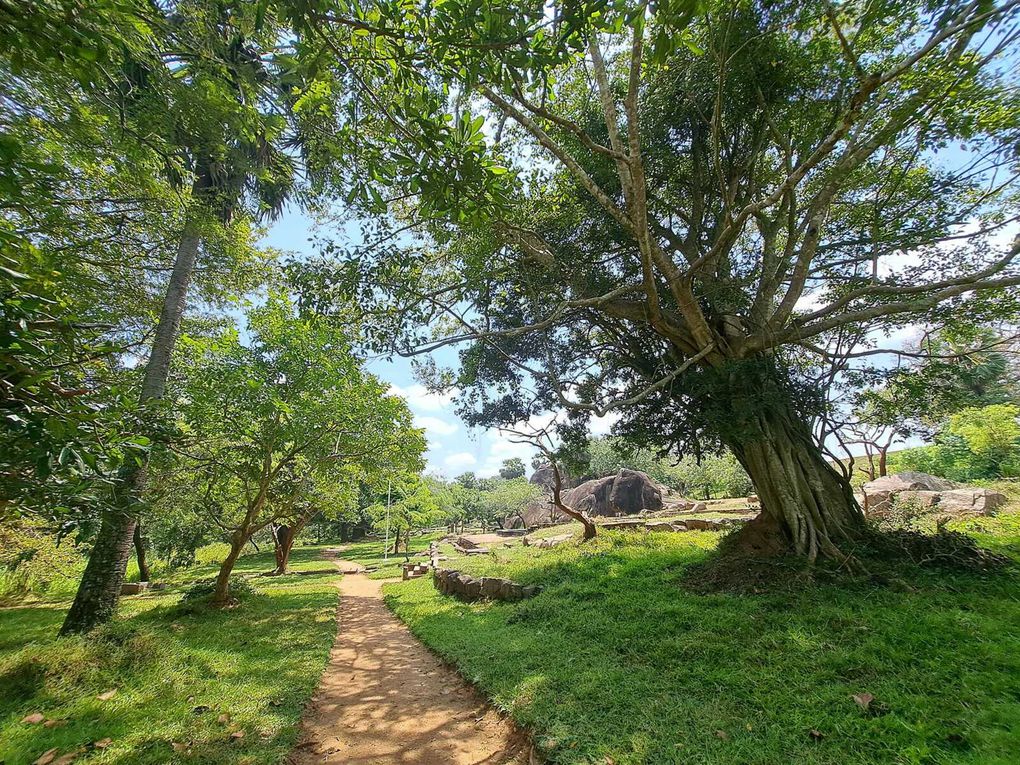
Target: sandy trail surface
x=385 y=698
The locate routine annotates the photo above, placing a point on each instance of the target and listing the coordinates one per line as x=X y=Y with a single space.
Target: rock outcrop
x=929 y=493
x=626 y=493
x=544 y=477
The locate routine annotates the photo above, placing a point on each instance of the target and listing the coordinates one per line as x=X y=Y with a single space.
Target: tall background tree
x=210 y=83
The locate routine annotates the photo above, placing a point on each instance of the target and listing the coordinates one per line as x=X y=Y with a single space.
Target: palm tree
x=220 y=98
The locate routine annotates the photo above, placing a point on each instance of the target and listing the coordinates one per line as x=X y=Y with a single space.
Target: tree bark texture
x=99 y=590
x=807 y=506
x=221 y=592
x=143 y=565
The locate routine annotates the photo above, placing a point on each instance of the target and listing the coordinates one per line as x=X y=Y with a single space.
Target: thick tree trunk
x=99 y=590
x=807 y=506
x=221 y=593
x=143 y=565
x=285 y=542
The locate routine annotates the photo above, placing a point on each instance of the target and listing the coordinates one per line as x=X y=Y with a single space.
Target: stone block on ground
x=929 y=493
x=659 y=526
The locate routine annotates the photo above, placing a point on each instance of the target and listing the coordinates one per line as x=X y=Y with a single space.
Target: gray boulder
x=878 y=494
x=971 y=501
x=930 y=494
x=626 y=493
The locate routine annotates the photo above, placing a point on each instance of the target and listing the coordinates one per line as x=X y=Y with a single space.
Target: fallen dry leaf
x=102 y=743
x=179 y=747
x=610 y=760
x=237 y=734
x=863 y=700
x=33 y=719
x=107 y=695
x=46 y=757
x=224 y=718
x=817 y=735
x=66 y=759
x=54 y=723
x=722 y=735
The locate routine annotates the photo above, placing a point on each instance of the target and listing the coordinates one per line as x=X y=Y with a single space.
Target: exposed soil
x=385 y=698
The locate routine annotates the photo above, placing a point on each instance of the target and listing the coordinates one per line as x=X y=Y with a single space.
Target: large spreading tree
x=658 y=209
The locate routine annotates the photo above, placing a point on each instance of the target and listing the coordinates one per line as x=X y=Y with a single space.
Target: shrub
x=32 y=563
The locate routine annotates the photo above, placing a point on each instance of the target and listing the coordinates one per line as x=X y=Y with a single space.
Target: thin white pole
x=389 y=489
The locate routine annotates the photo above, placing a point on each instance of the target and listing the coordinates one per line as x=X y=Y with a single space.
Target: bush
x=32 y=563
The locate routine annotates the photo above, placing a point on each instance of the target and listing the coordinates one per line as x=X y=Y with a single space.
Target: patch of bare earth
x=385 y=698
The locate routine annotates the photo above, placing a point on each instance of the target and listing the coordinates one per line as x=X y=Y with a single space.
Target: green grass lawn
x=615 y=662
x=176 y=669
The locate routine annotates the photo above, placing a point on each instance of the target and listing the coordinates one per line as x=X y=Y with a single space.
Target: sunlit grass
x=177 y=668
x=616 y=662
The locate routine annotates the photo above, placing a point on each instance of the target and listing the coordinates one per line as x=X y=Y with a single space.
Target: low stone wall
x=685 y=524
x=450 y=582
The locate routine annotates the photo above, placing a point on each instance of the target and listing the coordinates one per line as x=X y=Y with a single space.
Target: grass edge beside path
x=192 y=684
x=616 y=662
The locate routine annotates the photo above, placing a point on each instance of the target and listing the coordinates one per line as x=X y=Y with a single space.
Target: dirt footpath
x=385 y=698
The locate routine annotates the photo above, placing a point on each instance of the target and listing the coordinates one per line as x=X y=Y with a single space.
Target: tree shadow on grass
x=614 y=658
x=175 y=672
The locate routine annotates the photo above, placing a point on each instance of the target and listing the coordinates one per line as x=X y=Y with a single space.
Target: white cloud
x=419 y=398
x=460 y=460
x=600 y=426
x=501 y=448
x=434 y=425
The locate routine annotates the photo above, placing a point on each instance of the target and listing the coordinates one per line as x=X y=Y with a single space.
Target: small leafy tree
x=512 y=468
x=417 y=502
x=268 y=423
x=505 y=498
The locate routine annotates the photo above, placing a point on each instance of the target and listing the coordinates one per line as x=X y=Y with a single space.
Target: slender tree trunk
x=99 y=590
x=221 y=593
x=883 y=462
x=807 y=506
x=143 y=566
x=589 y=526
x=283 y=538
x=285 y=543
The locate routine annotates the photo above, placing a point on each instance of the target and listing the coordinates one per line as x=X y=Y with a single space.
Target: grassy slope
x=259 y=662
x=615 y=663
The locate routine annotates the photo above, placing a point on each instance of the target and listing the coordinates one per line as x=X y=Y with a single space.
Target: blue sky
x=454 y=448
